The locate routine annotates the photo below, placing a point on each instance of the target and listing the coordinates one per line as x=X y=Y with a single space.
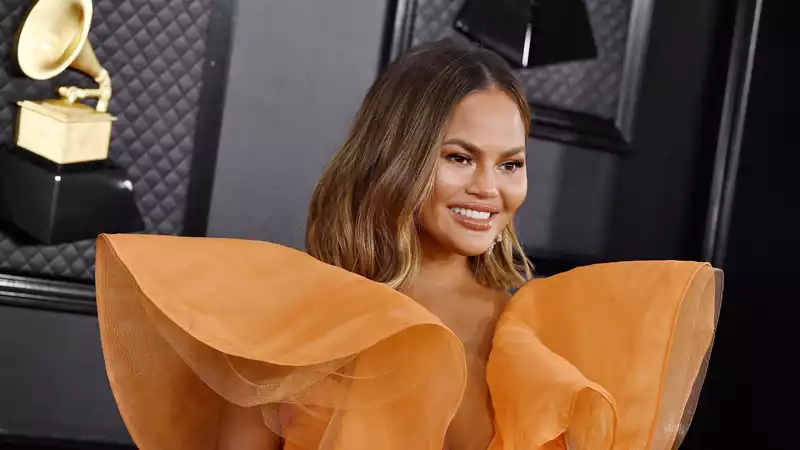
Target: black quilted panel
x=590 y=87
x=154 y=51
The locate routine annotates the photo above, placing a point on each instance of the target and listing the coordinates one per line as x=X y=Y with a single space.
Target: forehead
x=489 y=119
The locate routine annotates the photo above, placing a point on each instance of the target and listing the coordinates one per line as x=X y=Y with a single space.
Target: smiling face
x=480 y=176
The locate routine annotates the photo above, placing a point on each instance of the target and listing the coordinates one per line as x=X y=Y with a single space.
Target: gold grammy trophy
x=57 y=184
x=54 y=37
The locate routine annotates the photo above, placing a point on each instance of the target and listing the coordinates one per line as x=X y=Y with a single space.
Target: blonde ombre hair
x=363 y=213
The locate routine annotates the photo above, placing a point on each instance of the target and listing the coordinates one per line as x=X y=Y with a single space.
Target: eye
x=458 y=158
x=512 y=166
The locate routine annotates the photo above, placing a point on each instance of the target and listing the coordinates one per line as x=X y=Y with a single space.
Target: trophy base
x=63 y=133
x=65 y=203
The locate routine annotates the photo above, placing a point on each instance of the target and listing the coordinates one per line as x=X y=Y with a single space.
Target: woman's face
x=480 y=177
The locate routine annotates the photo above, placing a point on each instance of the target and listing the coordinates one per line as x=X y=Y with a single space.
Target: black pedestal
x=56 y=204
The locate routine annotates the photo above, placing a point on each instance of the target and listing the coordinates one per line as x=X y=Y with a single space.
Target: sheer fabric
x=604 y=356
x=607 y=356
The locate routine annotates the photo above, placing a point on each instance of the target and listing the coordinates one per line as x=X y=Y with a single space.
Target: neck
x=441 y=265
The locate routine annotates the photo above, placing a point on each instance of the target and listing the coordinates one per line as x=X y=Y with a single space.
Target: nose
x=483 y=184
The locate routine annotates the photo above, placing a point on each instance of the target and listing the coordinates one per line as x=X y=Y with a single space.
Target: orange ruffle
x=608 y=356
x=604 y=356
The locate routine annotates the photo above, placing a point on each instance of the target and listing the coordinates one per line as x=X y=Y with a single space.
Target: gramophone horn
x=53 y=37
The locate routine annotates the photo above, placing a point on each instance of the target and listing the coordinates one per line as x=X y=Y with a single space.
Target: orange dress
x=610 y=356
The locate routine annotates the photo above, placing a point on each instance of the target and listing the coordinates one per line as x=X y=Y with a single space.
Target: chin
x=450 y=238
x=469 y=249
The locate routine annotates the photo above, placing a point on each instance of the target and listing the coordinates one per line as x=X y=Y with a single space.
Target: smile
x=471 y=213
x=473 y=219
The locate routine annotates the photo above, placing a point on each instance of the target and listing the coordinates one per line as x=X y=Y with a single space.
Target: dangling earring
x=497 y=239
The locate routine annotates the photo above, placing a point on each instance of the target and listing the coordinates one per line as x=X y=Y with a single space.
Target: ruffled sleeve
x=334 y=361
x=605 y=356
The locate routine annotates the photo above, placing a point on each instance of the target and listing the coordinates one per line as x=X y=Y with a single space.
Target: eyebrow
x=472 y=148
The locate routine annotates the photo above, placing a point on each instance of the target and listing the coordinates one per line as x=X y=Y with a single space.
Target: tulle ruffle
x=333 y=360
x=606 y=356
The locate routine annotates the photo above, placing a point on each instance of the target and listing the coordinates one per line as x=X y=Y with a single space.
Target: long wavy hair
x=364 y=210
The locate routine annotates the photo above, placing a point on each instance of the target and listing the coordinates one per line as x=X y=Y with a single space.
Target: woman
x=398 y=330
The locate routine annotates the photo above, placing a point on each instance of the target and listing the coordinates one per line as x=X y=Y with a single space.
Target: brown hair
x=363 y=211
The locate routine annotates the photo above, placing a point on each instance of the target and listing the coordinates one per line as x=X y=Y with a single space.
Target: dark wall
x=658 y=186
x=750 y=397
x=570 y=194
x=298 y=72
x=649 y=203
x=52 y=378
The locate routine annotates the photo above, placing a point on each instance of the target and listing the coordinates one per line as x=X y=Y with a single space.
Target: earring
x=497 y=239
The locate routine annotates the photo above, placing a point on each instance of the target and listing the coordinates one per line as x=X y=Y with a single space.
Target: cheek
x=449 y=181
x=514 y=194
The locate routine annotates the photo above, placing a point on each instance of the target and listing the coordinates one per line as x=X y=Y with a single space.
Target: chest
x=472 y=427
x=472 y=317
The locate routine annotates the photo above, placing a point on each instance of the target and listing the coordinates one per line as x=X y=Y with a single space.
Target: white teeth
x=472 y=214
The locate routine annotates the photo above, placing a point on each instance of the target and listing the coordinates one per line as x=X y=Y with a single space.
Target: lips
x=474 y=217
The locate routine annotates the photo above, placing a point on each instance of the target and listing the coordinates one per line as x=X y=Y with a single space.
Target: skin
x=481 y=163
x=243 y=428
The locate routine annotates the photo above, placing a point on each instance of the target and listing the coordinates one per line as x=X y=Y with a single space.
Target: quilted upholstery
x=590 y=87
x=154 y=50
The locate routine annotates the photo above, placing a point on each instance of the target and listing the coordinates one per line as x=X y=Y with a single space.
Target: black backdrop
x=749 y=400
x=590 y=103
x=155 y=52
x=168 y=78
x=590 y=86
